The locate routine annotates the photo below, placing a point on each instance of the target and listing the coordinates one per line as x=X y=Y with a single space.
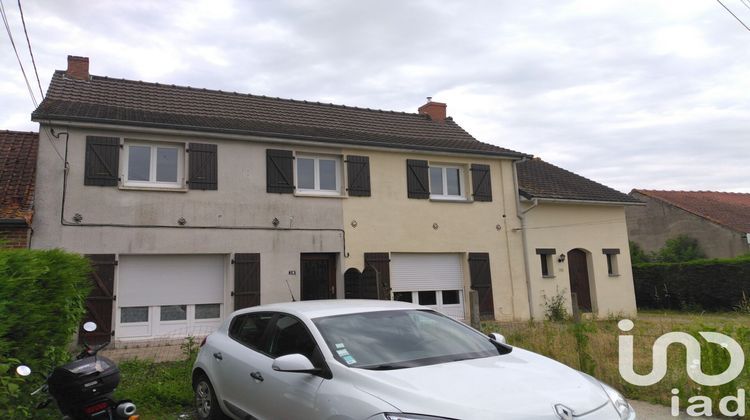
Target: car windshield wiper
x=384 y=366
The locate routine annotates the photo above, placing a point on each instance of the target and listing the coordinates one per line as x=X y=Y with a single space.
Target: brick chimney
x=435 y=110
x=78 y=67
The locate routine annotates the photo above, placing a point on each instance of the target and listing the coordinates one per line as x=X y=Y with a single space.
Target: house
x=576 y=240
x=18 y=152
x=193 y=203
x=720 y=221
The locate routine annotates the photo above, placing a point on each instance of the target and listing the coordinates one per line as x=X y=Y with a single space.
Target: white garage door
x=170 y=296
x=434 y=280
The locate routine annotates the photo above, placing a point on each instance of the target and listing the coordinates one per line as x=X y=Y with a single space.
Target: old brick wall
x=14 y=237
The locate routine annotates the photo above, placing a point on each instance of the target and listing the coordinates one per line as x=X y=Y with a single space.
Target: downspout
x=522 y=216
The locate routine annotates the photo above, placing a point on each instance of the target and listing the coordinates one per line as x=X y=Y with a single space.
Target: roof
x=18 y=151
x=725 y=208
x=539 y=179
x=126 y=102
x=329 y=307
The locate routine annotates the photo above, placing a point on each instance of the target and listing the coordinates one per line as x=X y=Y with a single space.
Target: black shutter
x=204 y=168
x=417 y=179
x=480 y=182
x=380 y=261
x=481 y=281
x=99 y=300
x=358 y=175
x=279 y=171
x=102 y=161
x=246 y=280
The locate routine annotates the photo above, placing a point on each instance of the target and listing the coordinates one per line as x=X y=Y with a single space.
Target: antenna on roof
x=429 y=99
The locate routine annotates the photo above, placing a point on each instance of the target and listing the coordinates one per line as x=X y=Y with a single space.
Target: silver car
x=384 y=360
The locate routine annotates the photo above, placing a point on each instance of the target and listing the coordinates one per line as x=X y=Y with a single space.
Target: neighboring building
x=576 y=240
x=193 y=203
x=18 y=151
x=720 y=221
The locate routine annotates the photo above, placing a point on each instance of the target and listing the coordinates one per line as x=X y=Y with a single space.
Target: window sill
x=614 y=275
x=155 y=188
x=450 y=200
x=318 y=195
x=549 y=276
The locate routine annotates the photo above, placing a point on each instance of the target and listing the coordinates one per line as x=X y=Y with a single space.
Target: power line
x=746 y=3
x=13 y=44
x=735 y=16
x=25 y=32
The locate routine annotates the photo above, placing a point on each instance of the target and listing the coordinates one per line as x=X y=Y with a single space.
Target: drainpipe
x=522 y=216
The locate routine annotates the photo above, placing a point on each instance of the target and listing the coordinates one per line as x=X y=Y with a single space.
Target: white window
x=446 y=182
x=154 y=164
x=318 y=174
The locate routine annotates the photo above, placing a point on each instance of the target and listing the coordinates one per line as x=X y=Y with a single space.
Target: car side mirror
x=498 y=338
x=296 y=362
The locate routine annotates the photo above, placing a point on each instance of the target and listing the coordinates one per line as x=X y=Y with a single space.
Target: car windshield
x=399 y=339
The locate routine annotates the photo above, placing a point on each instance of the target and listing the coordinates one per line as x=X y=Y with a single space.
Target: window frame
x=612 y=265
x=153 y=164
x=316 y=158
x=461 y=182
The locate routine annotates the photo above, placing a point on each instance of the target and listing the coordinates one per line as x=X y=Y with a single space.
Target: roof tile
x=18 y=152
x=725 y=208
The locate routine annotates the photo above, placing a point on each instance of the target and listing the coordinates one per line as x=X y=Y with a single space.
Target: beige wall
x=388 y=221
x=588 y=227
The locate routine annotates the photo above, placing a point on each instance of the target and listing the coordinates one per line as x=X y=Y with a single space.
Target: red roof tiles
x=18 y=152
x=729 y=209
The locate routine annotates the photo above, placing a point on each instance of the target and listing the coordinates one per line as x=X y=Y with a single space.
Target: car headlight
x=621 y=404
x=407 y=416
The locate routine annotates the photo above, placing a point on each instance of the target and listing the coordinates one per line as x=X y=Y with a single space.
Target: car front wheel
x=206 y=404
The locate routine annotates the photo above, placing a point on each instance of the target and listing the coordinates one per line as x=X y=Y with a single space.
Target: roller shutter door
x=434 y=280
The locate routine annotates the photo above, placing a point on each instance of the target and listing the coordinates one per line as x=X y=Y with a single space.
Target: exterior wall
x=235 y=218
x=388 y=221
x=588 y=227
x=651 y=225
x=14 y=236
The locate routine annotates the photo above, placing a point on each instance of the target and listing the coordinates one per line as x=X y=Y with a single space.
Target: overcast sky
x=633 y=94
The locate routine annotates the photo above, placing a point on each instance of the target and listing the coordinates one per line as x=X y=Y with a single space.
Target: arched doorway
x=578 y=268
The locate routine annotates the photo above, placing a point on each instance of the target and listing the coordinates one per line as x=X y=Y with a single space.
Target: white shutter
x=415 y=272
x=153 y=280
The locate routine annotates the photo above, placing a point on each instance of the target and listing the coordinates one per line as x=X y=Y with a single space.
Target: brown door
x=246 y=280
x=318 y=276
x=579 y=278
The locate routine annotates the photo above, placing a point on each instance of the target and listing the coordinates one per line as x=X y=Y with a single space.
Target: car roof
x=321 y=308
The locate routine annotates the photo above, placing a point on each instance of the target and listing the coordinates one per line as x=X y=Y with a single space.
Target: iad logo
x=693 y=366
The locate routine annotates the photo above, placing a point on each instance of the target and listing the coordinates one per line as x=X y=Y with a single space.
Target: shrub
x=681 y=248
x=638 y=255
x=554 y=309
x=42 y=296
x=714 y=285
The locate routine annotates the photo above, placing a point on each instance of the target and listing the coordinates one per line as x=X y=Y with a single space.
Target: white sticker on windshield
x=349 y=359
x=342 y=352
x=340 y=345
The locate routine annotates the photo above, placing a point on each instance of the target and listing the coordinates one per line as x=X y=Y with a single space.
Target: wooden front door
x=318 y=276
x=579 y=278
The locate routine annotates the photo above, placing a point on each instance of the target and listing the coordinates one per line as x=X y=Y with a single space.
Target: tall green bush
x=716 y=285
x=681 y=248
x=42 y=297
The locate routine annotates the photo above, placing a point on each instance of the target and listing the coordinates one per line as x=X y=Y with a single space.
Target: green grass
x=592 y=347
x=159 y=390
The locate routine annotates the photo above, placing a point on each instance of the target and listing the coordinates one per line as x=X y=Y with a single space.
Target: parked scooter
x=83 y=388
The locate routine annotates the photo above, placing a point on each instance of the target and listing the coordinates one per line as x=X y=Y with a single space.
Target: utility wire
x=13 y=44
x=31 y=53
x=735 y=16
x=746 y=3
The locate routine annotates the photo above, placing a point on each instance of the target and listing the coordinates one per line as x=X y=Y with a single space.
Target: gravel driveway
x=648 y=411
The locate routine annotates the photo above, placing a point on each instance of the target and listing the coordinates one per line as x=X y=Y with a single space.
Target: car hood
x=518 y=385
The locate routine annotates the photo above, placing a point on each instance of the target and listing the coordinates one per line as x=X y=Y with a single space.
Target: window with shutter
x=358 y=176
x=152 y=164
x=279 y=171
x=102 y=161
x=481 y=184
x=417 y=179
x=203 y=167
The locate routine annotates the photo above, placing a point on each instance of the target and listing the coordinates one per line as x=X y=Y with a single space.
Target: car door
x=238 y=361
x=289 y=395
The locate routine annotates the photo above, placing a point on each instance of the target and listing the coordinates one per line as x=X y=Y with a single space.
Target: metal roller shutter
x=415 y=272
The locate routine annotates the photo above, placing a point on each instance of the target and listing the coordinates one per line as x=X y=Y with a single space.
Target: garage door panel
x=152 y=280
x=415 y=272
